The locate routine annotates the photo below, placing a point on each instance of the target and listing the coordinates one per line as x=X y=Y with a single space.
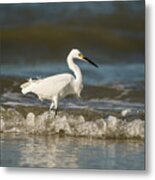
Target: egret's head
x=78 y=55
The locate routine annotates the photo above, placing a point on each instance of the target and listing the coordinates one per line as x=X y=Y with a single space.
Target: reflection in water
x=69 y=152
x=48 y=152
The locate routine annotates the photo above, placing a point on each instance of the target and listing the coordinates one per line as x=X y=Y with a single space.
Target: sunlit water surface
x=69 y=152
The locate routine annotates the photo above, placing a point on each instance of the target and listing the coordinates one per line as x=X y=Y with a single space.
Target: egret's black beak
x=91 y=62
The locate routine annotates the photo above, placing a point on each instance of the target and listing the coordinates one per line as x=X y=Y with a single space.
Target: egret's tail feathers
x=27 y=86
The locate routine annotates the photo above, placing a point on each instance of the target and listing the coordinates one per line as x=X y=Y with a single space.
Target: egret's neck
x=74 y=67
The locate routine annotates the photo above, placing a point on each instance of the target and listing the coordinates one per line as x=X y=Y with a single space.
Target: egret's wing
x=53 y=85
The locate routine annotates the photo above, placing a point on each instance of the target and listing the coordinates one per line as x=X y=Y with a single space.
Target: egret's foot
x=52 y=113
x=55 y=112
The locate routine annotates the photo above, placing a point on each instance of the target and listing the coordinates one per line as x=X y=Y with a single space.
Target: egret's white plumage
x=56 y=87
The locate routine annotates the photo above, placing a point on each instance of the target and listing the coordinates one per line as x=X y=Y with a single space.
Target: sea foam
x=12 y=121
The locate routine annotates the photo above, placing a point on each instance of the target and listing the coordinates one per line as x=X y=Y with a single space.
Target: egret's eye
x=80 y=55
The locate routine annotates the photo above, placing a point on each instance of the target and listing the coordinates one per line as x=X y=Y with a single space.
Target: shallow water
x=69 y=152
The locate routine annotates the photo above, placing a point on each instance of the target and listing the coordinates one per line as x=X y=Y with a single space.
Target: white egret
x=56 y=87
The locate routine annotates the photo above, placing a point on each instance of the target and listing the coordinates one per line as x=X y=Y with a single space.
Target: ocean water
x=35 y=41
x=69 y=152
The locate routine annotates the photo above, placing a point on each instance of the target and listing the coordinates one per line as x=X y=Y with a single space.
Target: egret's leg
x=55 y=112
x=51 y=108
x=55 y=100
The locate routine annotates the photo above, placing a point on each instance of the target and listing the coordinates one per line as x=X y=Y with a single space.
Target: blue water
x=105 y=74
x=69 y=152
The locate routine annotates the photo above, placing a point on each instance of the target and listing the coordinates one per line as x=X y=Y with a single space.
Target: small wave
x=12 y=121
